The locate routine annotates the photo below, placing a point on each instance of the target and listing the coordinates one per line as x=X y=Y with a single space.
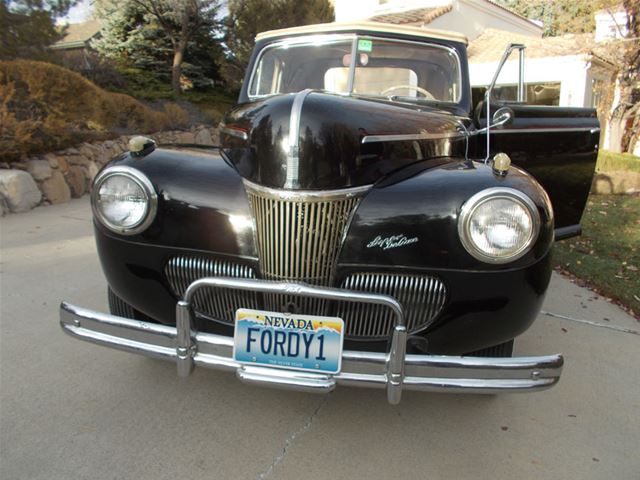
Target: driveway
x=71 y=410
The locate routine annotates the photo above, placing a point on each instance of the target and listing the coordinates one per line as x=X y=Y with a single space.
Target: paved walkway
x=70 y=410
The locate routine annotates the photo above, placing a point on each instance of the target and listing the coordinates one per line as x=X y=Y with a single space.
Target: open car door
x=557 y=145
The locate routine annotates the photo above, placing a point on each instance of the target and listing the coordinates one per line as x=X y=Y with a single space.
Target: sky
x=80 y=13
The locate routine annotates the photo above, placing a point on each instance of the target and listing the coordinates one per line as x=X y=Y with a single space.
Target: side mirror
x=521 y=91
x=502 y=116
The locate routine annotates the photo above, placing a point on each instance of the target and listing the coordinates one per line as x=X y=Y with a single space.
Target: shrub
x=45 y=107
x=177 y=116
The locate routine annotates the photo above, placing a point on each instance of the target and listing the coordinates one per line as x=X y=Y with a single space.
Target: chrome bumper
x=395 y=370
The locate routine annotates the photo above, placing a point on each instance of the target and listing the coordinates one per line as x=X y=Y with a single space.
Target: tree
x=247 y=18
x=625 y=119
x=148 y=33
x=560 y=16
x=27 y=27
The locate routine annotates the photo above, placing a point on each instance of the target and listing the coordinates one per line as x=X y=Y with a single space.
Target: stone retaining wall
x=59 y=176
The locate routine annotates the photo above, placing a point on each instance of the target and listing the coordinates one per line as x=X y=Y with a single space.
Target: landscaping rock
x=76 y=180
x=52 y=159
x=616 y=182
x=203 y=137
x=90 y=171
x=19 y=190
x=63 y=165
x=77 y=160
x=39 y=169
x=4 y=206
x=56 y=189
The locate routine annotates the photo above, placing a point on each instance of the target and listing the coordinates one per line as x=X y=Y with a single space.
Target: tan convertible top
x=376 y=27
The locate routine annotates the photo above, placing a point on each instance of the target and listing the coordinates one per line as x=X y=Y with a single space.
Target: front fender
x=202 y=204
x=419 y=207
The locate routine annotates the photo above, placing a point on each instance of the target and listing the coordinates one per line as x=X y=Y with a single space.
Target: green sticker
x=365 y=45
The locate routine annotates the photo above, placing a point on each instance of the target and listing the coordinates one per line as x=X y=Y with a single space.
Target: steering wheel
x=423 y=91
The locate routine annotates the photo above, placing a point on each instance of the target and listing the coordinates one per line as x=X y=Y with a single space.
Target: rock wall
x=59 y=176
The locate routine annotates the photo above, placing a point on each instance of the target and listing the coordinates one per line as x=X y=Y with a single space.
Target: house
x=567 y=70
x=576 y=70
x=611 y=24
x=469 y=17
x=74 y=47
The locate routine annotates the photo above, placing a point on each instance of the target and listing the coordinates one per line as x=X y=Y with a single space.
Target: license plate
x=291 y=341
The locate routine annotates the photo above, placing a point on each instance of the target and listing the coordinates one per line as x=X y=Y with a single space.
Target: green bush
x=45 y=107
x=611 y=162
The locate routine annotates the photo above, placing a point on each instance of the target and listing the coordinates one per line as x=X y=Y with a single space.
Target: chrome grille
x=218 y=303
x=422 y=298
x=299 y=234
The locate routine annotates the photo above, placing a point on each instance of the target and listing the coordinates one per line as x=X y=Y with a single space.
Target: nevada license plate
x=282 y=340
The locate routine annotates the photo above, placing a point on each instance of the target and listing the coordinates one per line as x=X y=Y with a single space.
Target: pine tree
x=27 y=27
x=168 y=39
x=247 y=18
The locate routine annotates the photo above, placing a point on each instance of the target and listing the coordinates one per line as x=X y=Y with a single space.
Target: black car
x=363 y=222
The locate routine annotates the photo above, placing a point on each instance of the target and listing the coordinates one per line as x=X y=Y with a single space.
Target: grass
x=609 y=161
x=607 y=254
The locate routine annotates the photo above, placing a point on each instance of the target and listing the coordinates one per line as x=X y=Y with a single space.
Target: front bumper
x=395 y=370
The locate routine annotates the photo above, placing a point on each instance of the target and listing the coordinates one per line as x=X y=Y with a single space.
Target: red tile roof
x=418 y=15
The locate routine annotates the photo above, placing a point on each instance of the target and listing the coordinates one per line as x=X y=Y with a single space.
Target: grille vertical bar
x=299 y=234
x=422 y=298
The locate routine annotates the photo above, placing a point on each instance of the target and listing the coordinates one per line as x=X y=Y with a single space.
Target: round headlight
x=123 y=200
x=498 y=225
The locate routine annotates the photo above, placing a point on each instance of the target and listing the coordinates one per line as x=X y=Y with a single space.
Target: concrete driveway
x=71 y=410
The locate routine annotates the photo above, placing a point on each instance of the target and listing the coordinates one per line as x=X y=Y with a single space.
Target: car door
x=557 y=145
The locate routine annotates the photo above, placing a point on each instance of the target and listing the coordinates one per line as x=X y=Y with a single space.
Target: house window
x=597 y=92
x=541 y=93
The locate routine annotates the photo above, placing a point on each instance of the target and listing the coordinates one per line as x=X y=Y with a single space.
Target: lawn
x=607 y=254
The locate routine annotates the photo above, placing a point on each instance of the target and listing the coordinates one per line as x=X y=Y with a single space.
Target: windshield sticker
x=365 y=45
x=394 y=241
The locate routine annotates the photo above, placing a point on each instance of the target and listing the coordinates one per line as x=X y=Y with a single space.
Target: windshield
x=384 y=68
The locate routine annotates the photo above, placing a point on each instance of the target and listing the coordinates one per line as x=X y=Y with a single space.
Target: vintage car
x=363 y=222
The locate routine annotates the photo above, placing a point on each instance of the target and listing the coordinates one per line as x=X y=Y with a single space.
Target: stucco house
x=572 y=70
x=469 y=17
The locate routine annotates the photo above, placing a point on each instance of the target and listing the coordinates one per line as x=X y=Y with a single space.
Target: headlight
x=498 y=225
x=123 y=200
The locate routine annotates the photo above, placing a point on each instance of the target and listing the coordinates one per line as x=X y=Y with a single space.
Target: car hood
x=314 y=140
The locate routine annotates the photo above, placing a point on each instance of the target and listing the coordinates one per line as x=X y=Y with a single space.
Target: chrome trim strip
x=306 y=195
x=293 y=147
x=547 y=130
x=431 y=373
x=410 y=136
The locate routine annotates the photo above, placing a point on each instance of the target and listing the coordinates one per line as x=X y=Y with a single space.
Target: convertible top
x=374 y=27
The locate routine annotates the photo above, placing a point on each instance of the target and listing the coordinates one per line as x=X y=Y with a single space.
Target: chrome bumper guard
x=395 y=370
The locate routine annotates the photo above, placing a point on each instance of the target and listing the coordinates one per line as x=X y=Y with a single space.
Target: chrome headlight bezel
x=141 y=181
x=475 y=201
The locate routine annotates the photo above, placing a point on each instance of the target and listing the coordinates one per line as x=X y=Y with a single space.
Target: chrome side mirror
x=502 y=116
x=521 y=91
